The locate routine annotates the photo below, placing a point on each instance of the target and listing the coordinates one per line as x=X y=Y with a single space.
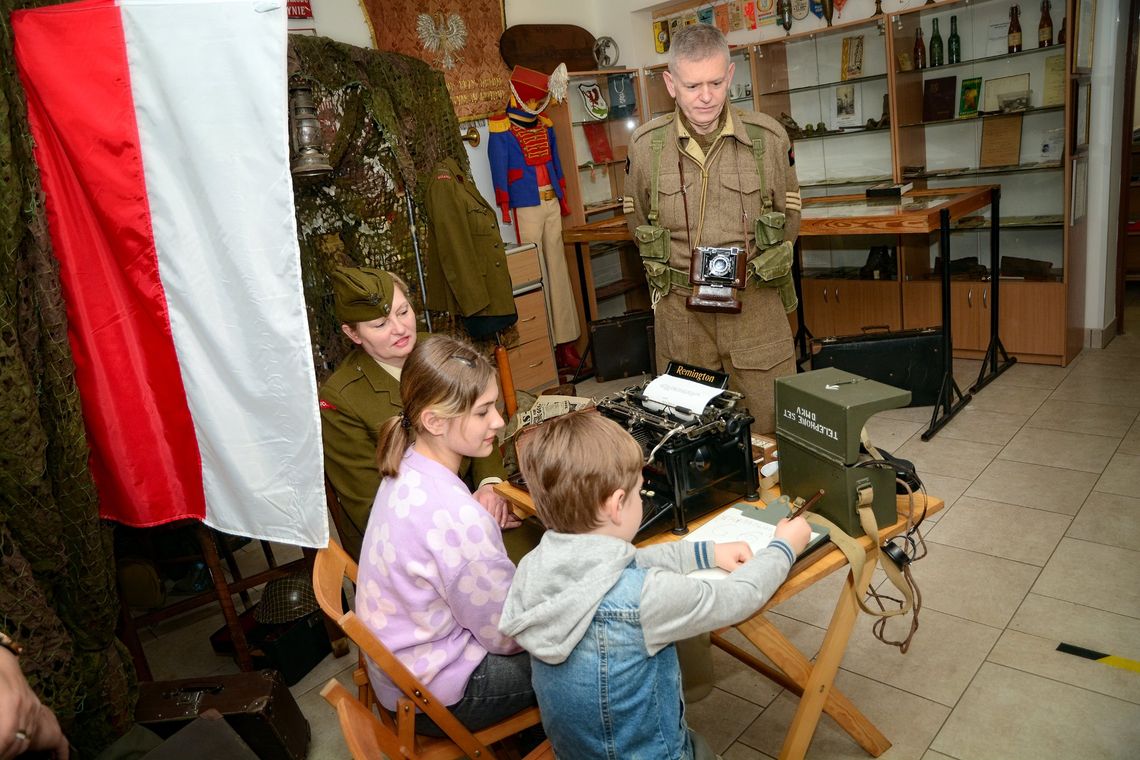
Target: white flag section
x=201 y=251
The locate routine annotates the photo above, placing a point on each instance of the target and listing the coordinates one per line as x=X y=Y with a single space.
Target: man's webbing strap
x=657 y=143
x=857 y=557
x=756 y=135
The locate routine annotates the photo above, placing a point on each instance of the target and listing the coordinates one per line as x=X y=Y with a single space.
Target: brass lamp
x=309 y=161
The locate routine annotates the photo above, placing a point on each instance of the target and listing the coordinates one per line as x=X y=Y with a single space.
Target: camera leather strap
x=685 y=201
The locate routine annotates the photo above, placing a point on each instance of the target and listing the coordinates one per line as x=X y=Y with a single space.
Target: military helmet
x=286 y=599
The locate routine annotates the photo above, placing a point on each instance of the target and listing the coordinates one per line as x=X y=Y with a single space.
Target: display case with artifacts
x=837 y=77
x=1008 y=108
x=594 y=126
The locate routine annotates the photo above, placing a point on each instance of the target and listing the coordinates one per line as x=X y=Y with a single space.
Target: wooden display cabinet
x=807 y=80
x=595 y=171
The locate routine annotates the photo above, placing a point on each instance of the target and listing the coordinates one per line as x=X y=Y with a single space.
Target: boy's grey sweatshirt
x=559 y=585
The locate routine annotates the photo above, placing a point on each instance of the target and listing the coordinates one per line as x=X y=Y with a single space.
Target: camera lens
x=719 y=266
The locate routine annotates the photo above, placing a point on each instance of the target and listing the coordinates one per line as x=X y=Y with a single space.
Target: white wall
x=340 y=20
x=1107 y=116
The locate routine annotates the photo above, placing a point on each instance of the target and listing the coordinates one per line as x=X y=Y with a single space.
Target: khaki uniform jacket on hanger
x=467 y=271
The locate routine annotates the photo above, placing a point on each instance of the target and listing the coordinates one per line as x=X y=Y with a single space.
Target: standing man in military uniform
x=707 y=177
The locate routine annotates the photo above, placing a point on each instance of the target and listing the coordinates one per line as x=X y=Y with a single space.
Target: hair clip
x=465 y=360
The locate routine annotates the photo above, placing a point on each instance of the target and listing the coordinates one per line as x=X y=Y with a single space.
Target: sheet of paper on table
x=677 y=391
x=733 y=525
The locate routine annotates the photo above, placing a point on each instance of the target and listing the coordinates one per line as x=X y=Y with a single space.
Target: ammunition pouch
x=653 y=245
x=773 y=269
x=768 y=229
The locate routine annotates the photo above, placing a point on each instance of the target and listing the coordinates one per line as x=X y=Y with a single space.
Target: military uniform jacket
x=356 y=400
x=515 y=180
x=723 y=188
x=467 y=267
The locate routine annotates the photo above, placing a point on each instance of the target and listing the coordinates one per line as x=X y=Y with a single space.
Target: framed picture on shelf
x=1003 y=87
x=851 y=66
x=970 y=98
x=1085 y=35
x=848 y=109
x=938 y=98
x=1082 y=93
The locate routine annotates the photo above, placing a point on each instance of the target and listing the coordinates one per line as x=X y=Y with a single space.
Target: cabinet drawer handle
x=970 y=297
x=536 y=364
x=825 y=295
x=985 y=294
x=529 y=319
x=837 y=295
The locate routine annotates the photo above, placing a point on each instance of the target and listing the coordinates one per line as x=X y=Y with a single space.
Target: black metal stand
x=581 y=372
x=991 y=367
x=951 y=400
x=803 y=334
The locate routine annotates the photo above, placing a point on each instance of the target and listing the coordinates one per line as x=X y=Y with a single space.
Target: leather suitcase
x=909 y=359
x=258 y=706
x=621 y=345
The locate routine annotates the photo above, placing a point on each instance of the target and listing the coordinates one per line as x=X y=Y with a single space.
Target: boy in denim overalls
x=599 y=617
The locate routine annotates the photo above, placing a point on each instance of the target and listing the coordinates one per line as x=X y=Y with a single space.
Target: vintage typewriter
x=697 y=445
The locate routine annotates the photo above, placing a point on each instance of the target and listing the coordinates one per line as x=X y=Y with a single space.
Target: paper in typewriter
x=679 y=392
x=733 y=524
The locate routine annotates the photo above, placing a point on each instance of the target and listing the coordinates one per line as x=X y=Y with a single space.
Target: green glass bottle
x=954 y=42
x=935 y=46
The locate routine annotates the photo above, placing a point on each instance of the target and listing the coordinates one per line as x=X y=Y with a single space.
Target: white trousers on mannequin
x=542 y=225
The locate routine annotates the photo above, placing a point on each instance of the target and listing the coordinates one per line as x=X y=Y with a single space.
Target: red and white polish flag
x=162 y=140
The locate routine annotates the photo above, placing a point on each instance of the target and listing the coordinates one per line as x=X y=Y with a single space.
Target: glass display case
x=830 y=91
x=593 y=127
x=1002 y=118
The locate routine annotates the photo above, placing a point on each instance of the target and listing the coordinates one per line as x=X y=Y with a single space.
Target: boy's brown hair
x=573 y=463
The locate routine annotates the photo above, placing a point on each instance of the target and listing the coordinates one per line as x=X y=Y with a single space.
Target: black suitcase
x=258 y=706
x=909 y=359
x=621 y=345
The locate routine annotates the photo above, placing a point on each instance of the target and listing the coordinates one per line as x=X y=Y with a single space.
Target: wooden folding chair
x=366 y=734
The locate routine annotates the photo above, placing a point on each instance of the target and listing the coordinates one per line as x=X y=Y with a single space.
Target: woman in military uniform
x=364 y=392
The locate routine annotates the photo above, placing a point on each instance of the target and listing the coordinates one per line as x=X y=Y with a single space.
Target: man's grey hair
x=697 y=42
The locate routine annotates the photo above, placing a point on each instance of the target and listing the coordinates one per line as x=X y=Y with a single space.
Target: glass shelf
x=984 y=59
x=821 y=85
x=983 y=117
x=837 y=181
x=845 y=132
x=967 y=172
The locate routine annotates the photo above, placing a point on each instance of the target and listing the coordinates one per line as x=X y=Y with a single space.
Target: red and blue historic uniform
x=524 y=158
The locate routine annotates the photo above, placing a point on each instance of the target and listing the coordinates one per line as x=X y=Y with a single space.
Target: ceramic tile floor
x=1039 y=544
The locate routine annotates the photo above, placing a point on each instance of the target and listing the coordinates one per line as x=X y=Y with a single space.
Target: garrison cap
x=361 y=294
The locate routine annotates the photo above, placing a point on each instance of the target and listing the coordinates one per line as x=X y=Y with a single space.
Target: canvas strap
x=858 y=558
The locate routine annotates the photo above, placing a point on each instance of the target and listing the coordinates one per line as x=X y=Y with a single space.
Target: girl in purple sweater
x=433 y=572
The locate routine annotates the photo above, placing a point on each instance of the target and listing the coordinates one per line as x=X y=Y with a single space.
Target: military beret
x=361 y=294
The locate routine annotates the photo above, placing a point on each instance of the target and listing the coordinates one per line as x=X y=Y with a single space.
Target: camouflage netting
x=387 y=122
x=57 y=592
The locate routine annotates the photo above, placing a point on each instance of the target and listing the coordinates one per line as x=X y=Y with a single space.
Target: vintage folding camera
x=716 y=274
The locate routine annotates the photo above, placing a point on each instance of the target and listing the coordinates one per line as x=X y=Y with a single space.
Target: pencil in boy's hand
x=807 y=505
